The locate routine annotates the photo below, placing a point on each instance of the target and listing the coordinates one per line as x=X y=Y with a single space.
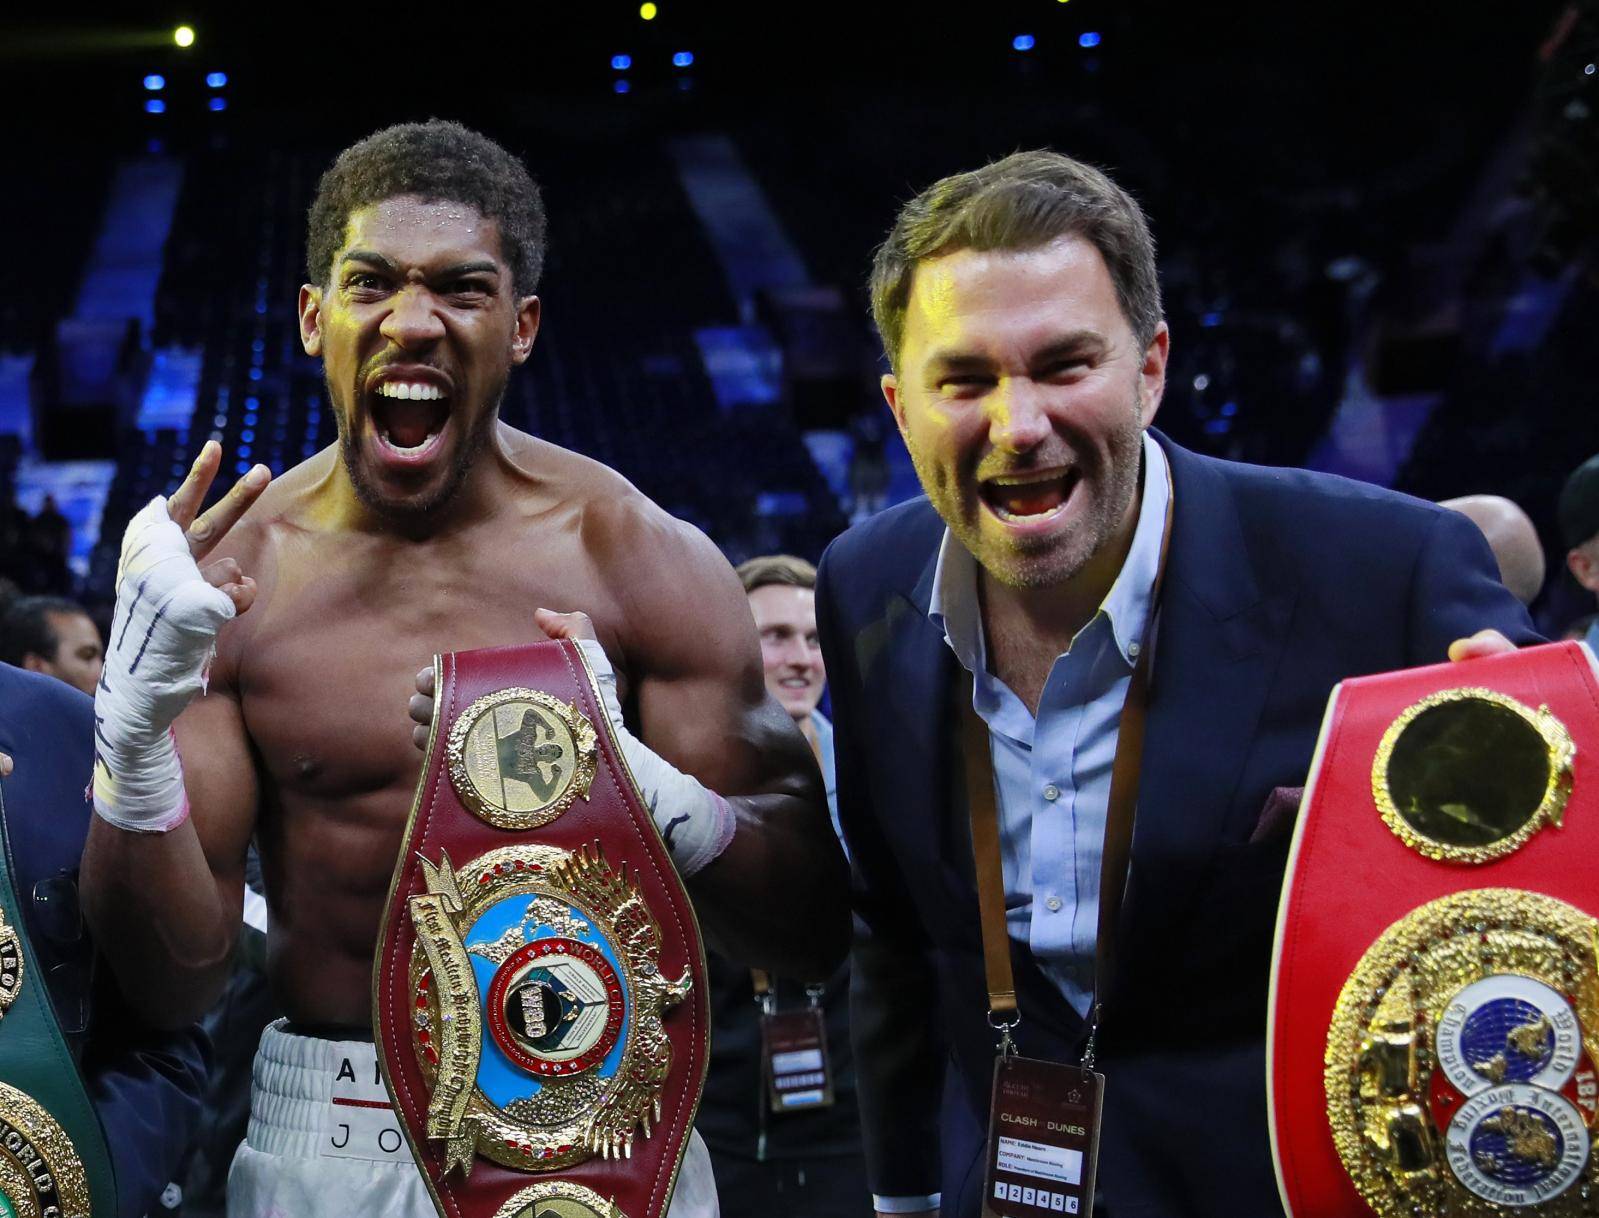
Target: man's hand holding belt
x=696 y=823
x=163 y=635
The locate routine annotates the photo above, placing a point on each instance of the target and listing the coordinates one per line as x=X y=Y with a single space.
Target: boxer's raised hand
x=163 y=635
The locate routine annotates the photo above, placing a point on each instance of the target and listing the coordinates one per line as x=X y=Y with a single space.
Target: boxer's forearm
x=158 y=917
x=778 y=896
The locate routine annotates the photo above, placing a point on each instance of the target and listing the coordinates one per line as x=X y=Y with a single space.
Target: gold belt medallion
x=41 y=1175
x=558 y=1199
x=538 y=1008
x=1460 y=1071
x=519 y=757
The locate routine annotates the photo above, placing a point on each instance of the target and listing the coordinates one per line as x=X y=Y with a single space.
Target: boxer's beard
x=466 y=452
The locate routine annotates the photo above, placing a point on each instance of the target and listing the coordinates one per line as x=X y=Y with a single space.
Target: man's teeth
x=409 y=392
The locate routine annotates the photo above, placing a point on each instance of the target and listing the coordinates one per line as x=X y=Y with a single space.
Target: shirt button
x=1054 y=904
x=1052 y=792
x=1133 y=649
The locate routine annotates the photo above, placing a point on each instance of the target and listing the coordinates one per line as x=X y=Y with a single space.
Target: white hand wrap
x=162 y=638
x=695 y=822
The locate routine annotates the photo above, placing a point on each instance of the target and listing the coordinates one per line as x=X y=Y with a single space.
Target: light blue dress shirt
x=824 y=757
x=1052 y=773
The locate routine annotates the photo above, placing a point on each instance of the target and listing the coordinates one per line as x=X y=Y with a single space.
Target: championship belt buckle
x=539 y=996
x=1433 y=1044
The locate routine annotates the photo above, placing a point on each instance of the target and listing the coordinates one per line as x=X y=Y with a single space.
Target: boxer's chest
x=332 y=664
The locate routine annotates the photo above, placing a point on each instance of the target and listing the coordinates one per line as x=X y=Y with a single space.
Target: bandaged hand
x=695 y=822
x=163 y=635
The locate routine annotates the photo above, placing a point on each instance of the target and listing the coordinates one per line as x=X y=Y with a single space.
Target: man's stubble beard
x=1059 y=560
x=467 y=453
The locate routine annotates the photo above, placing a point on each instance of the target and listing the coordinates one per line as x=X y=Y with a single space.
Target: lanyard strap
x=1120 y=811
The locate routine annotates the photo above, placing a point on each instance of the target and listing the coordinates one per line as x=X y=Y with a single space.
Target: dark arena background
x=1375 y=230
x=1375 y=225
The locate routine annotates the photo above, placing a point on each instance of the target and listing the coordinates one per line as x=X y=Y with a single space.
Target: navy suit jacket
x=1280 y=583
x=145 y=1086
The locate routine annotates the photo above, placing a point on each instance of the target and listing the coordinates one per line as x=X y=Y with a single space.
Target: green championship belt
x=54 y=1162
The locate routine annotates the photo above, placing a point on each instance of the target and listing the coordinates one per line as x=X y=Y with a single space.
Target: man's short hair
x=776 y=569
x=25 y=628
x=438 y=161
x=1022 y=202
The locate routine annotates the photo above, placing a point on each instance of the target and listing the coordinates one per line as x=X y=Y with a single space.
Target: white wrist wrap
x=695 y=822
x=163 y=635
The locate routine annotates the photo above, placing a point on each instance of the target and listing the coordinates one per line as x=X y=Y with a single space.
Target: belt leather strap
x=52 y=1149
x=1434 y=1009
x=539 y=995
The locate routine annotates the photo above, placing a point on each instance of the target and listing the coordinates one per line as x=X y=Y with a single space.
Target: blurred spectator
x=48 y=545
x=1513 y=539
x=53 y=636
x=802 y=1159
x=1579 y=530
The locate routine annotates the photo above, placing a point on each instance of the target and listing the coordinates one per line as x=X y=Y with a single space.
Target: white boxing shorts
x=324 y=1141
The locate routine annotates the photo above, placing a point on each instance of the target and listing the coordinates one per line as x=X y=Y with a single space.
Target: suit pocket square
x=1278 y=814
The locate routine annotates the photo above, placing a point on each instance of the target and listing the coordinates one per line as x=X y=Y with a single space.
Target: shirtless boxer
x=430 y=526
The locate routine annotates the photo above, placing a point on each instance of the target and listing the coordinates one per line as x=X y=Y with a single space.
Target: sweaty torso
x=324 y=664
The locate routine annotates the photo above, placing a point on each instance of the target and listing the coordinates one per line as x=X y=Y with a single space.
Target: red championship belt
x=1434 y=1017
x=539 y=991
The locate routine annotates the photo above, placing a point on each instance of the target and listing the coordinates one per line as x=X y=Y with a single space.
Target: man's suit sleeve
x=1455 y=591
x=895 y=1028
x=146 y=1087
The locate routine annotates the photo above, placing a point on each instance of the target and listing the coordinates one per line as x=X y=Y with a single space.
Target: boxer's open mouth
x=1029 y=497
x=409 y=416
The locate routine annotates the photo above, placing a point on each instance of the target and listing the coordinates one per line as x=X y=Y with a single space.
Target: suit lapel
x=1219 y=641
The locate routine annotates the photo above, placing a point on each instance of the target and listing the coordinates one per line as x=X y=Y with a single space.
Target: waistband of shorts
x=291 y=1086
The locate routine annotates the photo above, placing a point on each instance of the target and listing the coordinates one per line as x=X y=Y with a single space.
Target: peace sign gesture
x=204 y=531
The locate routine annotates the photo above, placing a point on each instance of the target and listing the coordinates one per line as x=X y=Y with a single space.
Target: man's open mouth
x=1030 y=497
x=409 y=416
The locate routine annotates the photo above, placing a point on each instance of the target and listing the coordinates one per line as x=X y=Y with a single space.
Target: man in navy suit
x=1020 y=311
x=144 y=1086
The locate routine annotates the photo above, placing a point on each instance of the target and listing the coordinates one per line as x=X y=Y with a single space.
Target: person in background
x=1578 y=514
x=804 y=1161
x=144 y=1085
x=53 y=636
x=1511 y=536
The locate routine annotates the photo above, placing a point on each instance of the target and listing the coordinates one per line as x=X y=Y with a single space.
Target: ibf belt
x=1434 y=1024
x=53 y=1157
x=539 y=992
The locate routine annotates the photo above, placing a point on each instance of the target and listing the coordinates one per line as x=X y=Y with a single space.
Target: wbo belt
x=54 y=1162
x=1434 y=1018
x=539 y=995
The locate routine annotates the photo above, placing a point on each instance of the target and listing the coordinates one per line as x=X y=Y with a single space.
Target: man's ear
x=1583 y=568
x=37 y=663
x=528 y=312
x=1152 y=375
x=311 y=319
x=890 y=386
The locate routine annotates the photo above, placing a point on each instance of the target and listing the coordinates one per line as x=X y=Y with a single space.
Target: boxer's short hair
x=437 y=161
x=776 y=569
x=1022 y=202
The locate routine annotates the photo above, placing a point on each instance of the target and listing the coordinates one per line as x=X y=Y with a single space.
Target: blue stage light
x=1022 y=42
x=683 y=59
x=242 y=467
x=218 y=104
x=155 y=106
x=216 y=80
x=621 y=86
x=155 y=82
x=1210 y=320
x=621 y=62
x=1088 y=41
